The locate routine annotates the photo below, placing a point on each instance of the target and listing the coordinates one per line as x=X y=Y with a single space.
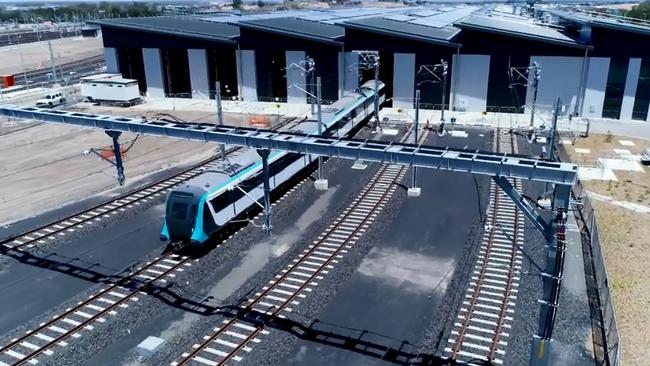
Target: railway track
x=76 y=321
x=69 y=224
x=481 y=330
x=234 y=336
x=57 y=229
x=80 y=68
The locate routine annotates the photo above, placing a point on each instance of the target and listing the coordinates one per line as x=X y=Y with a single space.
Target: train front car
x=234 y=190
x=180 y=213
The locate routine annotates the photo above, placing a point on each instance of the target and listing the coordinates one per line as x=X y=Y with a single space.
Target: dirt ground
x=37 y=55
x=626 y=247
x=43 y=165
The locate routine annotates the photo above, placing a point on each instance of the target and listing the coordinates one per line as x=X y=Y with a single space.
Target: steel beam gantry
x=441 y=158
x=501 y=167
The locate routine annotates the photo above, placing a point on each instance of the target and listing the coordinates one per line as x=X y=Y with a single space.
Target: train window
x=222 y=201
x=179 y=210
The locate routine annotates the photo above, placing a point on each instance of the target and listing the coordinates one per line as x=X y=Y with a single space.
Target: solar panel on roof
x=512 y=27
x=619 y=24
x=177 y=25
x=429 y=22
x=297 y=27
x=404 y=29
x=399 y=17
x=425 y=13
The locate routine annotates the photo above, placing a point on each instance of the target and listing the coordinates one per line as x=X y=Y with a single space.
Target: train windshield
x=178 y=210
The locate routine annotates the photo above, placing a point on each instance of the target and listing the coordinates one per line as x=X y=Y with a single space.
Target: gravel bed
x=192 y=283
x=43 y=249
x=283 y=213
x=56 y=359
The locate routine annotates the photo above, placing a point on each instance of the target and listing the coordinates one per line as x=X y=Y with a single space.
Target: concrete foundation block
x=321 y=184
x=414 y=192
x=149 y=346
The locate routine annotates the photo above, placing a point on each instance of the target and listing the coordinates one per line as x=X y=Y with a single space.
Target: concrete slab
x=461 y=134
x=591 y=173
x=149 y=346
x=389 y=132
x=321 y=184
x=620 y=151
x=414 y=192
x=621 y=164
x=582 y=151
x=626 y=142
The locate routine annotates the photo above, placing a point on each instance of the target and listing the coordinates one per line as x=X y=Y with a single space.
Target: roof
x=294 y=27
x=600 y=20
x=442 y=36
x=518 y=27
x=183 y=27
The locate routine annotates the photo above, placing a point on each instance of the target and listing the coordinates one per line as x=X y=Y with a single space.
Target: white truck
x=110 y=89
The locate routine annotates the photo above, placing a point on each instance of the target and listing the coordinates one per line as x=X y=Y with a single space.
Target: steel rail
x=304 y=257
x=83 y=324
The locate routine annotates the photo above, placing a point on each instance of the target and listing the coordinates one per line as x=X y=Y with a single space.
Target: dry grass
x=625 y=237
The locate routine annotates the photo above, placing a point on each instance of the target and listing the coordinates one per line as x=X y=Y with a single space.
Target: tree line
x=79 y=12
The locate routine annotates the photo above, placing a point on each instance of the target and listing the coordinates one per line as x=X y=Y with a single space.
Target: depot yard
x=44 y=165
x=624 y=233
x=37 y=55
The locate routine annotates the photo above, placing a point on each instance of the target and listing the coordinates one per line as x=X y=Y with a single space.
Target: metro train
x=197 y=209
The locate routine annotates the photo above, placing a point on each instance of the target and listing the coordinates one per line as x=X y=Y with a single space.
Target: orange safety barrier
x=260 y=121
x=7 y=81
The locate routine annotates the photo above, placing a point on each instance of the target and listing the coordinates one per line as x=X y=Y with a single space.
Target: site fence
x=606 y=339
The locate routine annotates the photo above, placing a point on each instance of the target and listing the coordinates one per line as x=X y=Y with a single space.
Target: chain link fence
x=607 y=340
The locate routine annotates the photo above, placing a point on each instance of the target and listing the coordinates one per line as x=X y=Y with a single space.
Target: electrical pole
x=311 y=69
x=438 y=74
x=22 y=64
x=308 y=66
x=551 y=139
x=376 y=66
x=54 y=77
x=217 y=96
x=536 y=71
x=444 y=88
x=320 y=184
x=370 y=60
x=414 y=169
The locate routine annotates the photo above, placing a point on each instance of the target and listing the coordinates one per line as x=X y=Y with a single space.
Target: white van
x=51 y=100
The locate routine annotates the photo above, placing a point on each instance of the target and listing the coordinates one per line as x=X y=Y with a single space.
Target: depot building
x=489 y=56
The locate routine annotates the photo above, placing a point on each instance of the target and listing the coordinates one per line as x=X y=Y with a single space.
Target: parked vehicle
x=51 y=100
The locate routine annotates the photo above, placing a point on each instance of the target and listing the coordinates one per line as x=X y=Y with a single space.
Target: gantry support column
x=268 y=227
x=115 y=135
x=552 y=278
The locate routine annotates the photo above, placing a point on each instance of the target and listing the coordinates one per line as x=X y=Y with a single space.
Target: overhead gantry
x=500 y=166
